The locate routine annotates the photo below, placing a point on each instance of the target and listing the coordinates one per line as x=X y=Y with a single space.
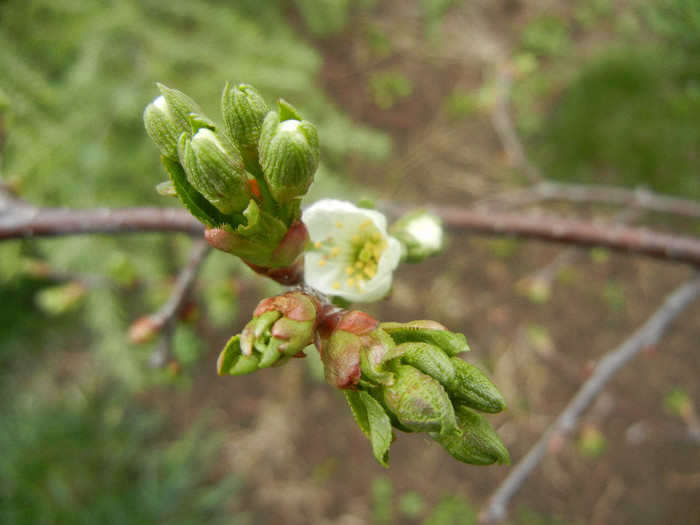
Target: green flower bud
x=162 y=127
x=478 y=445
x=473 y=389
x=214 y=171
x=289 y=155
x=244 y=110
x=281 y=328
x=180 y=107
x=167 y=117
x=420 y=403
x=420 y=233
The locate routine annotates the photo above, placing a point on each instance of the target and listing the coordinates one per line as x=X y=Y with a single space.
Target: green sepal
x=191 y=199
x=479 y=443
x=427 y=332
x=199 y=121
x=430 y=360
x=259 y=237
x=373 y=421
x=473 y=389
x=245 y=365
x=181 y=106
x=287 y=111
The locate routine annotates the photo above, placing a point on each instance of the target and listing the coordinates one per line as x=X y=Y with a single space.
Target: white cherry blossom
x=353 y=256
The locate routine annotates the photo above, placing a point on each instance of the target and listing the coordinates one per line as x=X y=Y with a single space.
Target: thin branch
x=577 y=232
x=23 y=221
x=636 y=198
x=163 y=321
x=543 y=189
x=18 y=220
x=505 y=128
x=647 y=335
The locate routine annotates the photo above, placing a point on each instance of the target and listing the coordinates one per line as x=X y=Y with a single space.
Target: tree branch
x=636 y=198
x=647 y=335
x=164 y=319
x=18 y=220
x=581 y=233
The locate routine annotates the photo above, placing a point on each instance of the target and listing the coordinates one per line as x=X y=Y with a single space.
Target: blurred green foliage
x=79 y=74
x=631 y=114
x=388 y=88
x=546 y=36
x=95 y=456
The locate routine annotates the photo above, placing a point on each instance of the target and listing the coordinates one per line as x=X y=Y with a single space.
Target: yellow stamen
x=322 y=262
x=349 y=270
x=338 y=224
x=336 y=285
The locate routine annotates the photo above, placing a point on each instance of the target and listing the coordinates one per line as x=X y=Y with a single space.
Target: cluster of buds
x=403 y=376
x=243 y=180
x=281 y=328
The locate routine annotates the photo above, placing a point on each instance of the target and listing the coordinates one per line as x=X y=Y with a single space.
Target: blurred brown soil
x=294 y=439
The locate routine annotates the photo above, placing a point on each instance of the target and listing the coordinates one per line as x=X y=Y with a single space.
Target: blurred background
x=407 y=96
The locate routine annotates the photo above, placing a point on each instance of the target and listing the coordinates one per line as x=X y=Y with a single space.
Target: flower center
x=359 y=254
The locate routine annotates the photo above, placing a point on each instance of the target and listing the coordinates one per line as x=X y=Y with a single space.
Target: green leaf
x=429 y=360
x=420 y=402
x=232 y=361
x=191 y=199
x=479 y=444
x=427 y=332
x=373 y=422
x=229 y=355
x=473 y=389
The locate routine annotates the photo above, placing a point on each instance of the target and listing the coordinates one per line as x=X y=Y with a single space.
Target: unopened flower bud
x=281 y=328
x=420 y=403
x=479 y=443
x=289 y=155
x=215 y=171
x=167 y=117
x=161 y=127
x=243 y=110
x=420 y=233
